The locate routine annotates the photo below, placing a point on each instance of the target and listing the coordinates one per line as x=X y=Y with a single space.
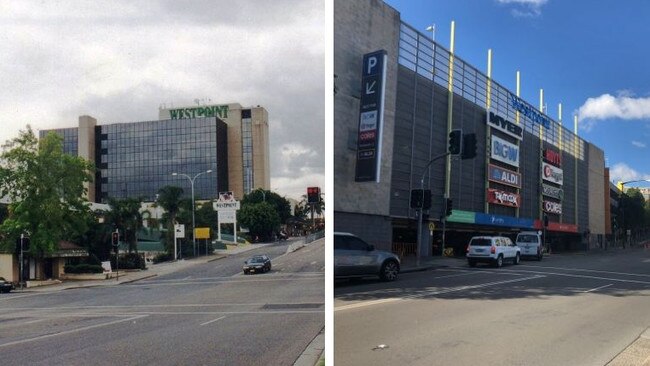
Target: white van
x=531 y=244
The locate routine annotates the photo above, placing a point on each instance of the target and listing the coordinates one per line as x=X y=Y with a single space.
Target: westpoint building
x=394 y=106
x=136 y=159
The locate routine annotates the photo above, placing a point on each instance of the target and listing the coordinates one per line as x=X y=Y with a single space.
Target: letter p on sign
x=372 y=62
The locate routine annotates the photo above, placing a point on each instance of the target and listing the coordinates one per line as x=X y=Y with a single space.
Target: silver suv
x=492 y=249
x=354 y=257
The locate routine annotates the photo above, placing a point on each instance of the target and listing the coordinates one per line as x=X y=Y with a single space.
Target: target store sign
x=552 y=174
x=503 y=198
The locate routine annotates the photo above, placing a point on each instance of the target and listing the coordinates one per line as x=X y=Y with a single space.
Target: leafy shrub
x=162 y=257
x=83 y=268
x=130 y=261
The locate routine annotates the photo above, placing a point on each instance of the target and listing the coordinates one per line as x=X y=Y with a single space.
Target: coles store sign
x=503 y=198
x=553 y=207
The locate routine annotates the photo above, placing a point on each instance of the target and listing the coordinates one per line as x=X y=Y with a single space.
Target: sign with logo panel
x=553 y=192
x=499 y=197
x=504 y=176
x=505 y=126
x=504 y=151
x=371 y=116
x=500 y=220
x=552 y=207
x=553 y=157
x=552 y=174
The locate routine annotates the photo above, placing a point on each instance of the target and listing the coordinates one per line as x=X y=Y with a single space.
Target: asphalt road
x=207 y=314
x=565 y=310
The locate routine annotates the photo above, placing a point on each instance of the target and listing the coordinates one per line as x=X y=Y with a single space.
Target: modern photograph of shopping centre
x=399 y=97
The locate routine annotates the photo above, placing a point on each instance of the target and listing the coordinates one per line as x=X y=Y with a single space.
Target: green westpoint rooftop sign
x=220 y=111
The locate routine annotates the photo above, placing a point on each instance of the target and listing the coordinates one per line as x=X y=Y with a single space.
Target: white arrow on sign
x=370 y=86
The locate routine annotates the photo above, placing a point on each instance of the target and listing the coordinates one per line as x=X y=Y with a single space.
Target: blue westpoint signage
x=467 y=217
x=499 y=220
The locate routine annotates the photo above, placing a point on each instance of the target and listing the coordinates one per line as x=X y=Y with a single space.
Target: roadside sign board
x=179 y=231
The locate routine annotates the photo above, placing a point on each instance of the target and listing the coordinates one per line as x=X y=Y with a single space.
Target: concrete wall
x=596 y=188
x=261 y=154
x=87 y=148
x=7 y=267
x=361 y=27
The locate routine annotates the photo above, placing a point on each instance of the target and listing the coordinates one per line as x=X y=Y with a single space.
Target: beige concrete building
x=248 y=142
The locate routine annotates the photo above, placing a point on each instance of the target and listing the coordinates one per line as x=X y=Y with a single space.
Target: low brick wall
x=84 y=276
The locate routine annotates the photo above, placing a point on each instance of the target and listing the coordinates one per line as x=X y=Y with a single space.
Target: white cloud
x=623 y=106
x=638 y=144
x=525 y=8
x=623 y=173
x=119 y=63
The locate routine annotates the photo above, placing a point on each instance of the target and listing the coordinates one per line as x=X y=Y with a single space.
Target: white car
x=530 y=243
x=492 y=249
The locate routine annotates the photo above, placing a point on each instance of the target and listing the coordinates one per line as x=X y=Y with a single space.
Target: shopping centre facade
x=393 y=111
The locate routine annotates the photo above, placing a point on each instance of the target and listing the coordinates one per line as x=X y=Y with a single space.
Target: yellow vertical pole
x=450 y=105
x=489 y=130
x=576 y=152
x=518 y=92
x=541 y=152
x=559 y=119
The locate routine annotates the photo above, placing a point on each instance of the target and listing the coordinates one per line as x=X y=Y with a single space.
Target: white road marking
x=598 y=288
x=71 y=331
x=90 y=307
x=579 y=276
x=438 y=292
x=213 y=320
x=589 y=270
x=36 y=321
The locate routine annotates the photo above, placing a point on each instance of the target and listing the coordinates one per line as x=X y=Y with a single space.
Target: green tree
x=279 y=203
x=125 y=215
x=45 y=188
x=261 y=219
x=206 y=216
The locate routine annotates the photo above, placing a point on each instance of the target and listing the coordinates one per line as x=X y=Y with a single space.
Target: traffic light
x=416 y=198
x=313 y=194
x=545 y=220
x=448 y=207
x=115 y=238
x=26 y=244
x=426 y=200
x=455 y=142
x=469 y=146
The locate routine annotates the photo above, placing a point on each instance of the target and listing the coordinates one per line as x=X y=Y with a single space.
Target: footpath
x=310 y=355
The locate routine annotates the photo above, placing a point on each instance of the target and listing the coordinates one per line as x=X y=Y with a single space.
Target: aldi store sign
x=504 y=176
x=552 y=174
x=504 y=151
x=505 y=126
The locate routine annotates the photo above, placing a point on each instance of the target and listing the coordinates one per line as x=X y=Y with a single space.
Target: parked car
x=257 y=264
x=492 y=249
x=354 y=257
x=530 y=243
x=6 y=286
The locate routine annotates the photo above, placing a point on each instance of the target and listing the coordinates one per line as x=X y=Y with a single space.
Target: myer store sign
x=220 y=111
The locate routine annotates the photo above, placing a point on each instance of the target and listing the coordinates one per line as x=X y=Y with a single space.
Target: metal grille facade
x=421 y=133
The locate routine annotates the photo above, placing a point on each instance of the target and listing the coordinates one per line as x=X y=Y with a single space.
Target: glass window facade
x=247 y=149
x=70 y=139
x=137 y=159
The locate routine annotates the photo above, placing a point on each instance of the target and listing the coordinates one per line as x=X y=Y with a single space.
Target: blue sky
x=591 y=56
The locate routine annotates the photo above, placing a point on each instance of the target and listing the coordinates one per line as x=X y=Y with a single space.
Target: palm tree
x=169 y=198
x=125 y=215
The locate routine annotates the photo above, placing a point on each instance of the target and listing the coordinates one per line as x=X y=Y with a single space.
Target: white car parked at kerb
x=492 y=249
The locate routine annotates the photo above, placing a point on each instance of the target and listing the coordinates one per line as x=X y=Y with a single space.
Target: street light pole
x=424 y=172
x=192 y=179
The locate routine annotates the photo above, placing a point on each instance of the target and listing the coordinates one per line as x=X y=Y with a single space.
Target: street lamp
x=620 y=185
x=192 y=179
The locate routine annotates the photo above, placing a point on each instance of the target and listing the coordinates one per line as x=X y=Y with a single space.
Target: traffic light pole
x=424 y=172
x=20 y=277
